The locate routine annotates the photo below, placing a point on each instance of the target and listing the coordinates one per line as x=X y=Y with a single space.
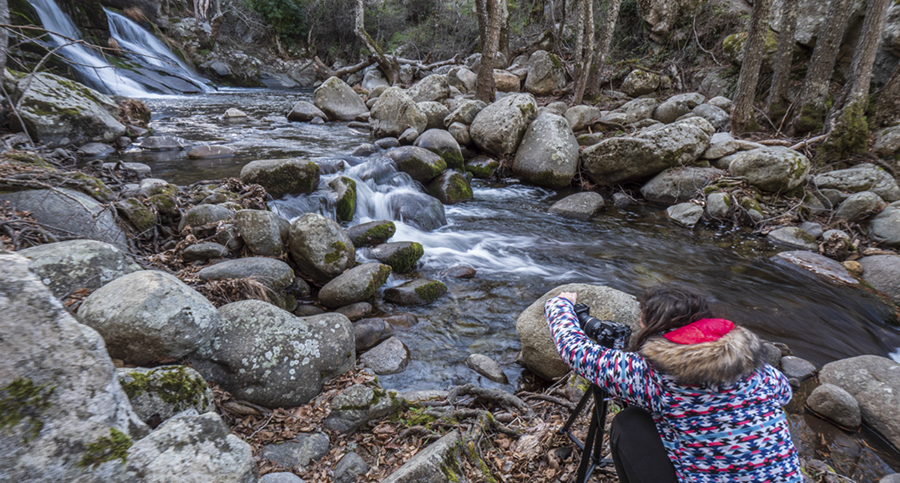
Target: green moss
x=431 y=290
x=482 y=168
x=23 y=401
x=165 y=203
x=288 y=178
x=29 y=158
x=340 y=249
x=383 y=231
x=114 y=447
x=174 y=386
x=849 y=136
x=811 y=118
x=384 y=271
x=346 y=203
x=92 y=186
x=405 y=259
x=549 y=179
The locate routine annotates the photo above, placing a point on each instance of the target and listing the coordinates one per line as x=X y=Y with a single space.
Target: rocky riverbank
x=273 y=311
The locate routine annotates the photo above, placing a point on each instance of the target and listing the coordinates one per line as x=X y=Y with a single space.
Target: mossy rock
x=372 y=233
x=165 y=391
x=113 y=447
x=345 y=189
x=482 y=167
x=451 y=187
x=282 y=177
x=141 y=217
x=24 y=401
x=401 y=256
x=415 y=292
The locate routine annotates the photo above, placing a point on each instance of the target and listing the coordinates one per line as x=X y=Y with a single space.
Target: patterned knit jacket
x=716 y=404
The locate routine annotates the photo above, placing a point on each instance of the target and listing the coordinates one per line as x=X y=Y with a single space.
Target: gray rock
x=438 y=463
x=306 y=448
x=639 y=110
x=718 y=204
x=165 y=391
x=320 y=248
x=465 y=113
x=415 y=292
x=388 y=357
x=140 y=169
x=836 y=405
x=460 y=133
x=149 y=315
x=261 y=232
x=720 y=145
x=67 y=266
x=364 y=150
x=274 y=274
x=207 y=151
x=387 y=143
x=539 y=353
x=355 y=285
x=282 y=477
x=548 y=154
x=345 y=197
x=722 y=103
x=394 y=112
x=677 y=185
x=204 y=251
x=812 y=228
x=545 y=74
x=883 y=273
x=370 y=332
x=66 y=370
x=164 y=143
x=685 y=214
x=432 y=88
x=338 y=100
x=349 y=467
x=863 y=177
x=580 y=206
x=421 y=164
x=359 y=404
x=670 y=110
x=265 y=355
x=69 y=213
x=372 y=233
x=720 y=119
x=434 y=112
x=887 y=142
x=589 y=139
x=95 y=150
x=796 y=368
x=894 y=478
x=820 y=265
x=795 y=237
x=487 y=367
x=409 y=136
x=885 y=227
x=640 y=82
x=451 y=187
x=204 y=214
x=304 y=112
x=875 y=383
x=401 y=256
x=498 y=128
x=579 y=117
x=192 y=448
x=859 y=206
x=418 y=209
x=355 y=311
x=282 y=176
x=771 y=169
x=482 y=166
x=444 y=145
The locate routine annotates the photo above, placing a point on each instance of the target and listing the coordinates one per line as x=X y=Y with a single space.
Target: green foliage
x=23 y=401
x=107 y=449
x=287 y=17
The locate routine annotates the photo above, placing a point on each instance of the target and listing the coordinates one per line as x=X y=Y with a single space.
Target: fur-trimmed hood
x=721 y=358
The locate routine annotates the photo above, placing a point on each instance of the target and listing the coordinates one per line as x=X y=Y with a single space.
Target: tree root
x=496 y=396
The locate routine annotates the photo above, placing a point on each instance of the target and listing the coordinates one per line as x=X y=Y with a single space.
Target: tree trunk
x=887 y=109
x=389 y=66
x=742 y=116
x=583 y=70
x=810 y=109
x=560 y=27
x=504 y=31
x=778 y=100
x=603 y=47
x=850 y=131
x=491 y=14
x=4 y=35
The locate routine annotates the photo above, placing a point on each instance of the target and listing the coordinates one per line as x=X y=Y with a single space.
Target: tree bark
x=583 y=70
x=810 y=110
x=503 y=46
x=603 y=47
x=742 y=116
x=4 y=35
x=778 y=99
x=560 y=27
x=389 y=66
x=490 y=13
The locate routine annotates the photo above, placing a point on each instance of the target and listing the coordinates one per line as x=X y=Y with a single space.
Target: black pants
x=637 y=449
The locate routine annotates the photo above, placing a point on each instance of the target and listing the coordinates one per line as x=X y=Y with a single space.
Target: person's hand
x=570 y=296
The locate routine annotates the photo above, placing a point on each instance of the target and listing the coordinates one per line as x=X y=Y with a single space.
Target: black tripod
x=592 y=447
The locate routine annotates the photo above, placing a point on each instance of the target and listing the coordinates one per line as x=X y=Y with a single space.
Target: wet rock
x=359 y=404
x=204 y=251
x=883 y=273
x=863 y=177
x=771 y=169
x=420 y=163
x=579 y=117
x=164 y=143
x=885 y=227
x=388 y=357
x=482 y=166
x=434 y=112
x=261 y=232
x=299 y=452
x=415 y=292
x=418 y=209
x=580 y=206
x=304 y=112
x=795 y=237
x=459 y=272
x=372 y=233
x=274 y=274
x=677 y=185
x=685 y=214
x=465 y=113
x=836 y=405
x=394 y=112
x=545 y=74
x=432 y=88
x=401 y=256
x=95 y=150
x=368 y=333
x=320 y=248
x=640 y=82
x=444 y=145
x=355 y=285
x=451 y=187
x=140 y=169
x=539 y=352
x=818 y=264
x=282 y=176
x=796 y=368
x=349 y=467
x=438 y=463
x=387 y=143
x=149 y=315
x=204 y=214
x=487 y=367
x=499 y=127
x=232 y=113
x=338 y=100
x=355 y=311
x=548 y=154
x=72 y=212
x=345 y=193
x=65 y=267
x=165 y=391
x=364 y=150
x=206 y=151
x=859 y=206
x=718 y=205
x=265 y=355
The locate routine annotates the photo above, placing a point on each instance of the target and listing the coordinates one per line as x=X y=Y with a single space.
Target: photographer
x=703 y=404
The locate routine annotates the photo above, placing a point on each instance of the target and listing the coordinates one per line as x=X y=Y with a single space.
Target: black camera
x=604 y=332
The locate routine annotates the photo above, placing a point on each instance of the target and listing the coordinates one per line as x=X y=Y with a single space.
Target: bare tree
x=778 y=101
x=504 y=30
x=603 y=46
x=584 y=52
x=388 y=65
x=810 y=110
x=489 y=19
x=742 y=116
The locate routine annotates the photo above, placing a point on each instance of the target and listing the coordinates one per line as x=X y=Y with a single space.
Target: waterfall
x=153 y=67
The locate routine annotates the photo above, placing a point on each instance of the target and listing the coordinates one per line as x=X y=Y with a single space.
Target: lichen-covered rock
x=415 y=292
x=421 y=164
x=579 y=117
x=165 y=391
x=465 y=113
x=371 y=233
x=640 y=82
x=771 y=169
x=400 y=256
x=359 y=404
x=858 y=206
x=438 y=463
x=885 y=227
x=434 y=112
x=719 y=119
x=499 y=127
x=72 y=212
x=548 y=154
x=720 y=145
x=320 y=247
x=482 y=166
x=261 y=232
x=638 y=110
x=505 y=81
x=299 y=452
x=282 y=176
x=265 y=355
x=432 y=88
x=862 y=177
x=795 y=237
x=70 y=265
x=460 y=133
x=539 y=352
x=451 y=187
x=395 y=112
x=718 y=205
x=580 y=206
x=141 y=217
x=355 y=285
x=545 y=74
x=338 y=100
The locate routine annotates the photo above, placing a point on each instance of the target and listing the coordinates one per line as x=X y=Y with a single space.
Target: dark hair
x=666 y=308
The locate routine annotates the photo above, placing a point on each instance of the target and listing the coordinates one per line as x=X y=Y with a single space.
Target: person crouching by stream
x=703 y=404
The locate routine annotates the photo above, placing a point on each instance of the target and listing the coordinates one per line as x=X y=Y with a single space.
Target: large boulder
x=774 y=168
x=58 y=387
x=421 y=164
x=443 y=144
x=371 y=233
x=451 y=187
x=538 y=350
x=677 y=185
x=579 y=117
x=395 y=112
x=71 y=265
x=499 y=127
x=320 y=248
x=875 y=383
x=640 y=82
x=883 y=272
x=885 y=227
x=862 y=177
x=432 y=88
x=548 y=155
x=165 y=391
x=464 y=113
x=545 y=74
x=337 y=99
x=355 y=285
x=282 y=176
x=69 y=213
x=149 y=315
x=418 y=209
x=634 y=158
x=261 y=231
x=434 y=112
x=304 y=111
x=58 y=111
x=267 y=356
x=274 y=274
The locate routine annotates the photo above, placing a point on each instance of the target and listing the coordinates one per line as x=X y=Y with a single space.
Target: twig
x=263 y=426
x=697 y=38
x=807 y=142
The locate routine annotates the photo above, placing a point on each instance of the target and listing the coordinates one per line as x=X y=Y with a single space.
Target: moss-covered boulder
x=355 y=285
x=165 y=391
x=443 y=144
x=772 y=169
x=415 y=292
x=261 y=232
x=421 y=164
x=282 y=176
x=450 y=187
x=141 y=217
x=372 y=233
x=401 y=256
x=345 y=192
x=640 y=82
x=434 y=87
x=482 y=166
x=320 y=248
x=733 y=45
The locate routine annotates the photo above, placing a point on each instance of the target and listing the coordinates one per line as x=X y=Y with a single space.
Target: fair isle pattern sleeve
x=623 y=375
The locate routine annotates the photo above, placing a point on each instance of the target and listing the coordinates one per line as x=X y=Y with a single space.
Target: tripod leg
x=586 y=466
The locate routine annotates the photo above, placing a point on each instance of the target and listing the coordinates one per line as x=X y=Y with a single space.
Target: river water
x=520 y=251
